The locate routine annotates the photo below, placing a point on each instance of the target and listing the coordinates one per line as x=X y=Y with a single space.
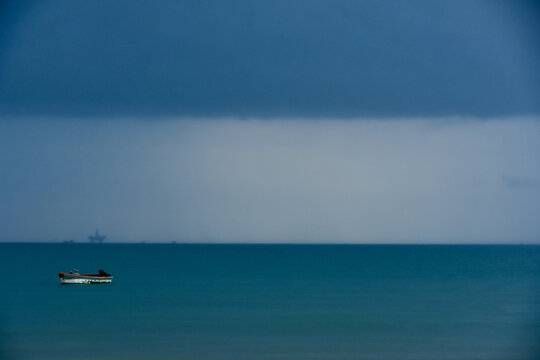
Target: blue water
x=271 y=302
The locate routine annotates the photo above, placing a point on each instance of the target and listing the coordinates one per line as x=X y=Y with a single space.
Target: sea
x=210 y=301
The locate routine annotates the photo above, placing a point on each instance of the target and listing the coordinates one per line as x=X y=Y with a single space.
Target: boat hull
x=67 y=278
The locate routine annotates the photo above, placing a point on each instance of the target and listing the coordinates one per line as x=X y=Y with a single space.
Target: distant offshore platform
x=96 y=238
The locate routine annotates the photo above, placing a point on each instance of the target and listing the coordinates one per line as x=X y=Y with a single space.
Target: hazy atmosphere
x=273 y=181
x=322 y=121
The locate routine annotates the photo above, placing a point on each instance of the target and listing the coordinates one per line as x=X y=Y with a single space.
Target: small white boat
x=73 y=277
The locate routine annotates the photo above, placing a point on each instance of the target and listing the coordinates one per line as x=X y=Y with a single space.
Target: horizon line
x=270 y=243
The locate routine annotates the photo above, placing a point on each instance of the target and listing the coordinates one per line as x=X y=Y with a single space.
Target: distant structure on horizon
x=96 y=238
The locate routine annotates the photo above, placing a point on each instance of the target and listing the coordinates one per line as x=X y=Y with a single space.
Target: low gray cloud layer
x=271 y=181
x=313 y=58
x=451 y=156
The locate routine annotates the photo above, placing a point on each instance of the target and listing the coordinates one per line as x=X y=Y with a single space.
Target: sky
x=278 y=121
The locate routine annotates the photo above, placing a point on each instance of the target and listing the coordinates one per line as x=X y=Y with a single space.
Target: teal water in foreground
x=271 y=302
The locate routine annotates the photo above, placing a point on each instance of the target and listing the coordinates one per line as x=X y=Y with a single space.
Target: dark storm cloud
x=272 y=58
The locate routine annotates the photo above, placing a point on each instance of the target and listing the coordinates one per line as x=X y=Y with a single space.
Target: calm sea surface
x=271 y=302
